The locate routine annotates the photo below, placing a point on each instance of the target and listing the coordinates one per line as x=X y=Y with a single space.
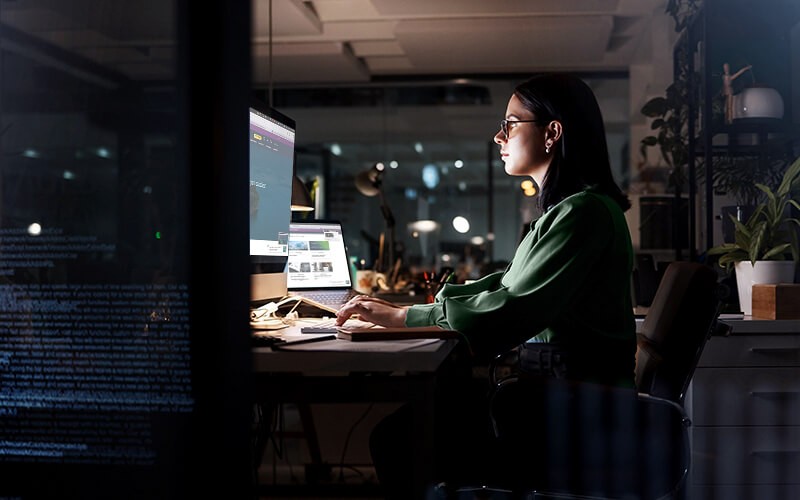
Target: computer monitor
x=272 y=140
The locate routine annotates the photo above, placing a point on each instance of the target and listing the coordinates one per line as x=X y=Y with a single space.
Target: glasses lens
x=504 y=128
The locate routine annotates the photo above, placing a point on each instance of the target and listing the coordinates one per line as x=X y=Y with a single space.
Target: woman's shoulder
x=587 y=199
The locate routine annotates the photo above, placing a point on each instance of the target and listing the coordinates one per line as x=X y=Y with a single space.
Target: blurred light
x=460 y=224
x=418 y=147
x=380 y=167
x=423 y=226
x=458 y=164
x=462 y=186
x=336 y=149
x=147 y=190
x=528 y=187
x=103 y=153
x=477 y=240
x=393 y=164
x=31 y=153
x=415 y=234
x=411 y=193
x=68 y=175
x=446 y=257
x=430 y=176
x=35 y=229
x=490 y=236
x=158 y=235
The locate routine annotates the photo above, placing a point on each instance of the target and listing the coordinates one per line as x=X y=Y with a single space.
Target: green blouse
x=569 y=284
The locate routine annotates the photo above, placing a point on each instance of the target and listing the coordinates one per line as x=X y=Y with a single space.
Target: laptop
x=318 y=268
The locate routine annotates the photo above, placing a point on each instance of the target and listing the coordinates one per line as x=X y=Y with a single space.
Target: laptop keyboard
x=334 y=298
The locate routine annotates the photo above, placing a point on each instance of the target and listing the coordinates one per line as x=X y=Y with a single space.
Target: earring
x=547 y=148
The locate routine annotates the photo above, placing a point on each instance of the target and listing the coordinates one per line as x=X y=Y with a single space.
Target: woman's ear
x=554 y=130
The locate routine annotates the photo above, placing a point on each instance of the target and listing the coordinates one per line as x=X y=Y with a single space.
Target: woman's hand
x=373 y=310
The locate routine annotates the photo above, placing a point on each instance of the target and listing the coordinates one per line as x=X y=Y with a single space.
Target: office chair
x=568 y=439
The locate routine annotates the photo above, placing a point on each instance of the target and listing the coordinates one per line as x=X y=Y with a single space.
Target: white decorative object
x=764 y=272
x=758 y=102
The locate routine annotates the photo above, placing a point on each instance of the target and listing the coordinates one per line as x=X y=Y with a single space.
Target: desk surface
x=747 y=325
x=338 y=356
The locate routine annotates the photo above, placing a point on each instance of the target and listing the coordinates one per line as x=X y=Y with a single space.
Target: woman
x=568 y=284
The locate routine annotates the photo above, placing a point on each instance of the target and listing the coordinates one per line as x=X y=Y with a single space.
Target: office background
x=119 y=122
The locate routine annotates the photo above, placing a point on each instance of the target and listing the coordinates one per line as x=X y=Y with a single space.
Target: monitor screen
x=272 y=139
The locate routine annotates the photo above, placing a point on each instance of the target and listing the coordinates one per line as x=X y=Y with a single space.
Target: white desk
x=341 y=371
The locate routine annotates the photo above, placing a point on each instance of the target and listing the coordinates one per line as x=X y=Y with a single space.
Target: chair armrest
x=685 y=420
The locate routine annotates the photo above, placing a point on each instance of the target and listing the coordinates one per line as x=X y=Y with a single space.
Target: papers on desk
x=347 y=346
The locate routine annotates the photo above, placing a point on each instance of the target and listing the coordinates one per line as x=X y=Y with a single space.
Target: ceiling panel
x=289 y=17
x=484 y=7
x=307 y=62
x=505 y=44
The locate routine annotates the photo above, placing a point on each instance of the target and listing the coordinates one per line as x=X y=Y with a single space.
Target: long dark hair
x=581 y=159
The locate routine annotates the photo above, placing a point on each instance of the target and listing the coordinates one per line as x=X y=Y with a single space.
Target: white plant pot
x=764 y=272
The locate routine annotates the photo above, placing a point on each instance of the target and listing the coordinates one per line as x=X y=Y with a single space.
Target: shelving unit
x=737 y=32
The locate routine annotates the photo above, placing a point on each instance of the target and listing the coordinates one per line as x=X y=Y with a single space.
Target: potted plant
x=765 y=247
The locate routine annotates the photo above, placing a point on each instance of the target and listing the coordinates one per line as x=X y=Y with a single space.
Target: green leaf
x=656 y=106
x=777 y=251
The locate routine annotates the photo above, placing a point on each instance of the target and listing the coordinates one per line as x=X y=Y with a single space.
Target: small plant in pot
x=767 y=241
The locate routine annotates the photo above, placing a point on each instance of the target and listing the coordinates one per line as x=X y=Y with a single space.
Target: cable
x=347 y=439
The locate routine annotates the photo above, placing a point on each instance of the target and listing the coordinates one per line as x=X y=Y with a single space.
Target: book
x=396 y=333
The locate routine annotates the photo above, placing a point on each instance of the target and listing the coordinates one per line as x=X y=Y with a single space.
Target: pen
x=303 y=341
x=446 y=276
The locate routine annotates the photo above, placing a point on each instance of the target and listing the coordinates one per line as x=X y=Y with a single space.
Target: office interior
x=120 y=128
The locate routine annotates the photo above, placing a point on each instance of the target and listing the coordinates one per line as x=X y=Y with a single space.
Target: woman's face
x=523 y=151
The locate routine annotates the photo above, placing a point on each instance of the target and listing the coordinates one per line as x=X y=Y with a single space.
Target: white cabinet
x=745 y=410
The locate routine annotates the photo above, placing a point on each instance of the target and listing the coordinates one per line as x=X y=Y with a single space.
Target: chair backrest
x=680 y=319
x=581 y=439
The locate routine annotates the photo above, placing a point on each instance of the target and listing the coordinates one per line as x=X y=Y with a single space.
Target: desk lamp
x=301 y=199
x=370 y=183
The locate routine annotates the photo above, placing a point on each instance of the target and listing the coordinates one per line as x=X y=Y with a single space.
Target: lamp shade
x=369 y=181
x=301 y=200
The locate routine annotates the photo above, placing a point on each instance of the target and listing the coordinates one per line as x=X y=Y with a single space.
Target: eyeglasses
x=504 y=125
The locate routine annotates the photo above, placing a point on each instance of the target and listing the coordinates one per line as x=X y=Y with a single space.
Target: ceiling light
x=423 y=226
x=430 y=176
x=458 y=163
x=418 y=147
x=460 y=224
x=393 y=164
x=336 y=149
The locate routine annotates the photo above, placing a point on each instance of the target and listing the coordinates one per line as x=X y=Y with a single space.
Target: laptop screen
x=317 y=256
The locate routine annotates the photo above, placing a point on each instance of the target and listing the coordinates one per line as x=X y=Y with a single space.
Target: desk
x=358 y=372
x=745 y=410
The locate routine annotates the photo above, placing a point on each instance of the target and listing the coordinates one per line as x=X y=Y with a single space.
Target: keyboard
x=329 y=301
x=329 y=326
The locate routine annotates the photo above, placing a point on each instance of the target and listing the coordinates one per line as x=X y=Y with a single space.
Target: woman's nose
x=499 y=138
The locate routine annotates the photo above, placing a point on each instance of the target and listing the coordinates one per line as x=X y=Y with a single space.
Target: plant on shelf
x=670 y=112
x=770 y=233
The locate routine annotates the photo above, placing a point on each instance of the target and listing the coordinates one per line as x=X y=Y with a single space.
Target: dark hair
x=580 y=160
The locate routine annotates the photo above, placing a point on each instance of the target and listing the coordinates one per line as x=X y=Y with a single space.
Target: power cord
x=265 y=317
x=347 y=439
